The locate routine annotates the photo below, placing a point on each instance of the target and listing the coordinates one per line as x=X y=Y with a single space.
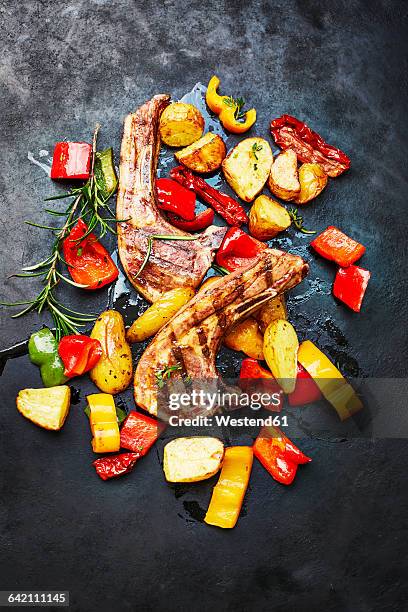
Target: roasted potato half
x=157 y=315
x=284 y=180
x=280 y=349
x=181 y=124
x=113 y=372
x=267 y=218
x=192 y=459
x=246 y=337
x=313 y=180
x=247 y=167
x=47 y=408
x=204 y=155
x=274 y=309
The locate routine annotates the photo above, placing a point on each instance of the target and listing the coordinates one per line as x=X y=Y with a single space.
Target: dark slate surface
x=336 y=539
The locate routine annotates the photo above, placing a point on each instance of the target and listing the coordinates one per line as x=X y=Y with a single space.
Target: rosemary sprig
x=297 y=220
x=238 y=103
x=220 y=269
x=255 y=148
x=150 y=247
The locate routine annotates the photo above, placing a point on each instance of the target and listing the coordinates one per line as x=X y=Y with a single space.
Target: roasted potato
x=113 y=372
x=274 y=309
x=47 y=408
x=208 y=282
x=280 y=349
x=204 y=155
x=313 y=180
x=284 y=180
x=192 y=459
x=181 y=124
x=246 y=337
x=267 y=218
x=247 y=167
x=157 y=315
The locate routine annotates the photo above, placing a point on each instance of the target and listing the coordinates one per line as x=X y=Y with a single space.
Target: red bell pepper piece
x=306 y=391
x=228 y=208
x=290 y=133
x=79 y=354
x=200 y=222
x=139 y=432
x=336 y=246
x=175 y=198
x=237 y=249
x=89 y=263
x=71 y=160
x=116 y=465
x=251 y=369
x=350 y=285
x=279 y=456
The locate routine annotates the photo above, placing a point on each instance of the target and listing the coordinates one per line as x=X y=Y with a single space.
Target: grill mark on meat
x=171 y=264
x=194 y=334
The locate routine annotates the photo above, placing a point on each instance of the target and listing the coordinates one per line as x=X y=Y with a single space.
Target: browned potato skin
x=283 y=180
x=246 y=170
x=271 y=311
x=246 y=337
x=181 y=124
x=313 y=180
x=267 y=218
x=280 y=349
x=205 y=155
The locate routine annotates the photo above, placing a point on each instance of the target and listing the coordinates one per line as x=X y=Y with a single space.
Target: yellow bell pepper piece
x=229 y=492
x=104 y=423
x=225 y=107
x=214 y=101
x=330 y=380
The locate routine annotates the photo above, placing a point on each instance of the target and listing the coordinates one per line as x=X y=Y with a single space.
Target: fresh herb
x=79 y=252
x=298 y=221
x=220 y=269
x=150 y=247
x=255 y=148
x=255 y=166
x=238 y=103
x=163 y=375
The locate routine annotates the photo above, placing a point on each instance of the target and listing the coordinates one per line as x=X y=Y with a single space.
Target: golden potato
x=113 y=372
x=247 y=167
x=267 y=218
x=283 y=180
x=181 y=124
x=246 y=337
x=274 y=309
x=157 y=315
x=204 y=155
x=208 y=282
x=192 y=459
x=280 y=349
x=47 y=408
x=313 y=180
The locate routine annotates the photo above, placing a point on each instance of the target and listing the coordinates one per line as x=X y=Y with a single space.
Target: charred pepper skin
x=43 y=352
x=117 y=465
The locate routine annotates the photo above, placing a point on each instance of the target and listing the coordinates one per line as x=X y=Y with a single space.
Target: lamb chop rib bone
x=192 y=338
x=171 y=263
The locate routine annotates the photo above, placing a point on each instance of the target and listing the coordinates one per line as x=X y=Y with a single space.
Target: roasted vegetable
x=246 y=337
x=71 y=161
x=47 y=408
x=280 y=347
x=104 y=423
x=157 y=315
x=330 y=380
x=306 y=391
x=336 y=246
x=313 y=180
x=204 y=155
x=113 y=372
x=247 y=167
x=350 y=286
x=105 y=173
x=181 y=124
x=229 y=110
x=175 y=198
x=79 y=354
x=43 y=352
x=274 y=309
x=201 y=221
x=267 y=218
x=192 y=459
x=284 y=179
x=116 y=465
x=229 y=492
x=209 y=281
x=251 y=370
x=279 y=456
x=238 y=249
x=139 y=432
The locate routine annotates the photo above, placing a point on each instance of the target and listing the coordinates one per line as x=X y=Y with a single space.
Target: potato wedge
x=192 y=459
x=284 y=180
x=313 y=180
x=181 y=124
x=204 y=155
x=280 y=349
x=267 y=218
x=274 y=309
x=246 y=337
x=47 y=408
x=247 y=167
x=113 y=372
x=157 y=315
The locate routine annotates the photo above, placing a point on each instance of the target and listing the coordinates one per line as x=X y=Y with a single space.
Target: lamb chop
x=171 y=264
x=190 y=341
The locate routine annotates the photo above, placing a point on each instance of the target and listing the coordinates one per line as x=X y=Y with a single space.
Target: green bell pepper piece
x=43 y=352
x=105 y=174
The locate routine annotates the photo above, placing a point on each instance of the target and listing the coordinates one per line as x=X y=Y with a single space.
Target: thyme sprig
x=163 y=375
x=150 y=247
x=297 y=220
x=238 y=103
x=255 y=148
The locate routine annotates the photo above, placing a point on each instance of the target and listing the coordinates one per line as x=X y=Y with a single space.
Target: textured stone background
x=334 y=541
